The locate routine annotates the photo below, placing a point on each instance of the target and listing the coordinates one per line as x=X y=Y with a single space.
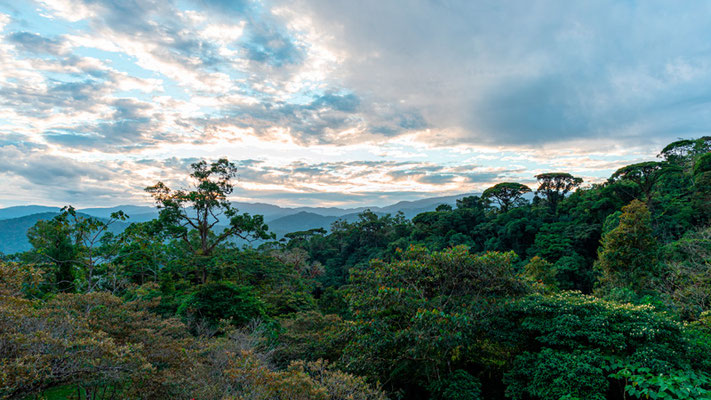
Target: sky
x=336 y=102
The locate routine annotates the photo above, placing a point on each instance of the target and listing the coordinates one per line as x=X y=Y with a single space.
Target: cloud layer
x=339 y=103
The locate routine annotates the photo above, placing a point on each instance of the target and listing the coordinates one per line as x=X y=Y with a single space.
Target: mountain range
x=15 y=221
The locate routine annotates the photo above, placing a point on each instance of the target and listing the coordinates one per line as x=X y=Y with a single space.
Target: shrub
x=213 y=302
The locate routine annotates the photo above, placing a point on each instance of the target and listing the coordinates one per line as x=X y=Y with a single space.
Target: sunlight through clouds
x=339 y=97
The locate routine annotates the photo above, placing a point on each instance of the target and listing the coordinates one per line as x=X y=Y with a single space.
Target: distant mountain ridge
x=15 y=221
x=13 y=231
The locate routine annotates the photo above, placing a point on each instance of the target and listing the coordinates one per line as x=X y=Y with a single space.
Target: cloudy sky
x=324 y=102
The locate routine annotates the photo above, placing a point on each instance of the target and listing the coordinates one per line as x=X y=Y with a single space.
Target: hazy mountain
x=21 y=211
x=134 y=212
x=13 y=231
x=300 y=221
x=412 y=208
x=15 y=221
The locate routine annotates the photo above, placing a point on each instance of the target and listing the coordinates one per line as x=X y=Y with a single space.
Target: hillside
x=13 y=231
x=15 y=221
x=22 y=211
x=495 y=298
x=300 y=221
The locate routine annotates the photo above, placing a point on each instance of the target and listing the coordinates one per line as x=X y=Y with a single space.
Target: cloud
x=60 y=179
x=130 y=125
x=527 y=74
x=320 y=99
x=34 y=43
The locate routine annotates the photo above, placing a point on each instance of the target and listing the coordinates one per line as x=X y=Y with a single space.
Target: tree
x=682 y=152
x=506 y=194
x=687 y=280
x=73 y=241
x=52 y=242
x=190 y=216
x=628 y=255
x=443 y=207
x=701 y=198
x=562 y=346
x=645 y=175
x=143 y=252
x=555 y=185
x=216 y=301
x=419 y=320
x=470 y=202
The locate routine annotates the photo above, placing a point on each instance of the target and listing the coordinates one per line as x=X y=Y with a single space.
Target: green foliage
x=309 y=336
x=354 y=244
x=555 y=185
x=471 y=202
x=447 y=228
x=213 y=302
x=640 y=382
x=97 y=346
x=52 y=241
x=574 y=272
x=420 y=318
x=684 y=152
x=143 y=252
x=438 y=307
x=703 y=164
x=566 y=335
x=701 y=197
x=190 y=216
x=628 y=256
x=506 y=194
x=687 y=278
x=282 y=287
x=45 y=346
x=460 y=385
x=514 y=230
x=540 y=270
x=645 y=175
x=554 y=374
x=73 y=246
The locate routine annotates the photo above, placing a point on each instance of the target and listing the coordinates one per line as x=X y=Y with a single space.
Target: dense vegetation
x=599 y=292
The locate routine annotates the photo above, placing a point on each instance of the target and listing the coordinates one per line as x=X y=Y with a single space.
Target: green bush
x=460 y=385
x=562 y=343
x=552 y=374
x=213 y=302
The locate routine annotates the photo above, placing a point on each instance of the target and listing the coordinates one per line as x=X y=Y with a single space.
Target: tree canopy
x=555 y=185
x=597 y=293
x=194 y=216
x=506 y=194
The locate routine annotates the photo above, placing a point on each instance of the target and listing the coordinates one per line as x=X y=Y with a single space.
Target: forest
x=561 y=291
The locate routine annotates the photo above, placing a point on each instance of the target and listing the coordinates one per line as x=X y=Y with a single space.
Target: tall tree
x=645 y=175
x=683 y=152
x=73 y=242
x=471 y=202
x=192 y=215
x=555 y=185
x=628 y=255
x=52 y=244
x=506 y=194
x=701 y=197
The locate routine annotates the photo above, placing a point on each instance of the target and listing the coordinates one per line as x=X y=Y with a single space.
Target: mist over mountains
x=15 y=221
